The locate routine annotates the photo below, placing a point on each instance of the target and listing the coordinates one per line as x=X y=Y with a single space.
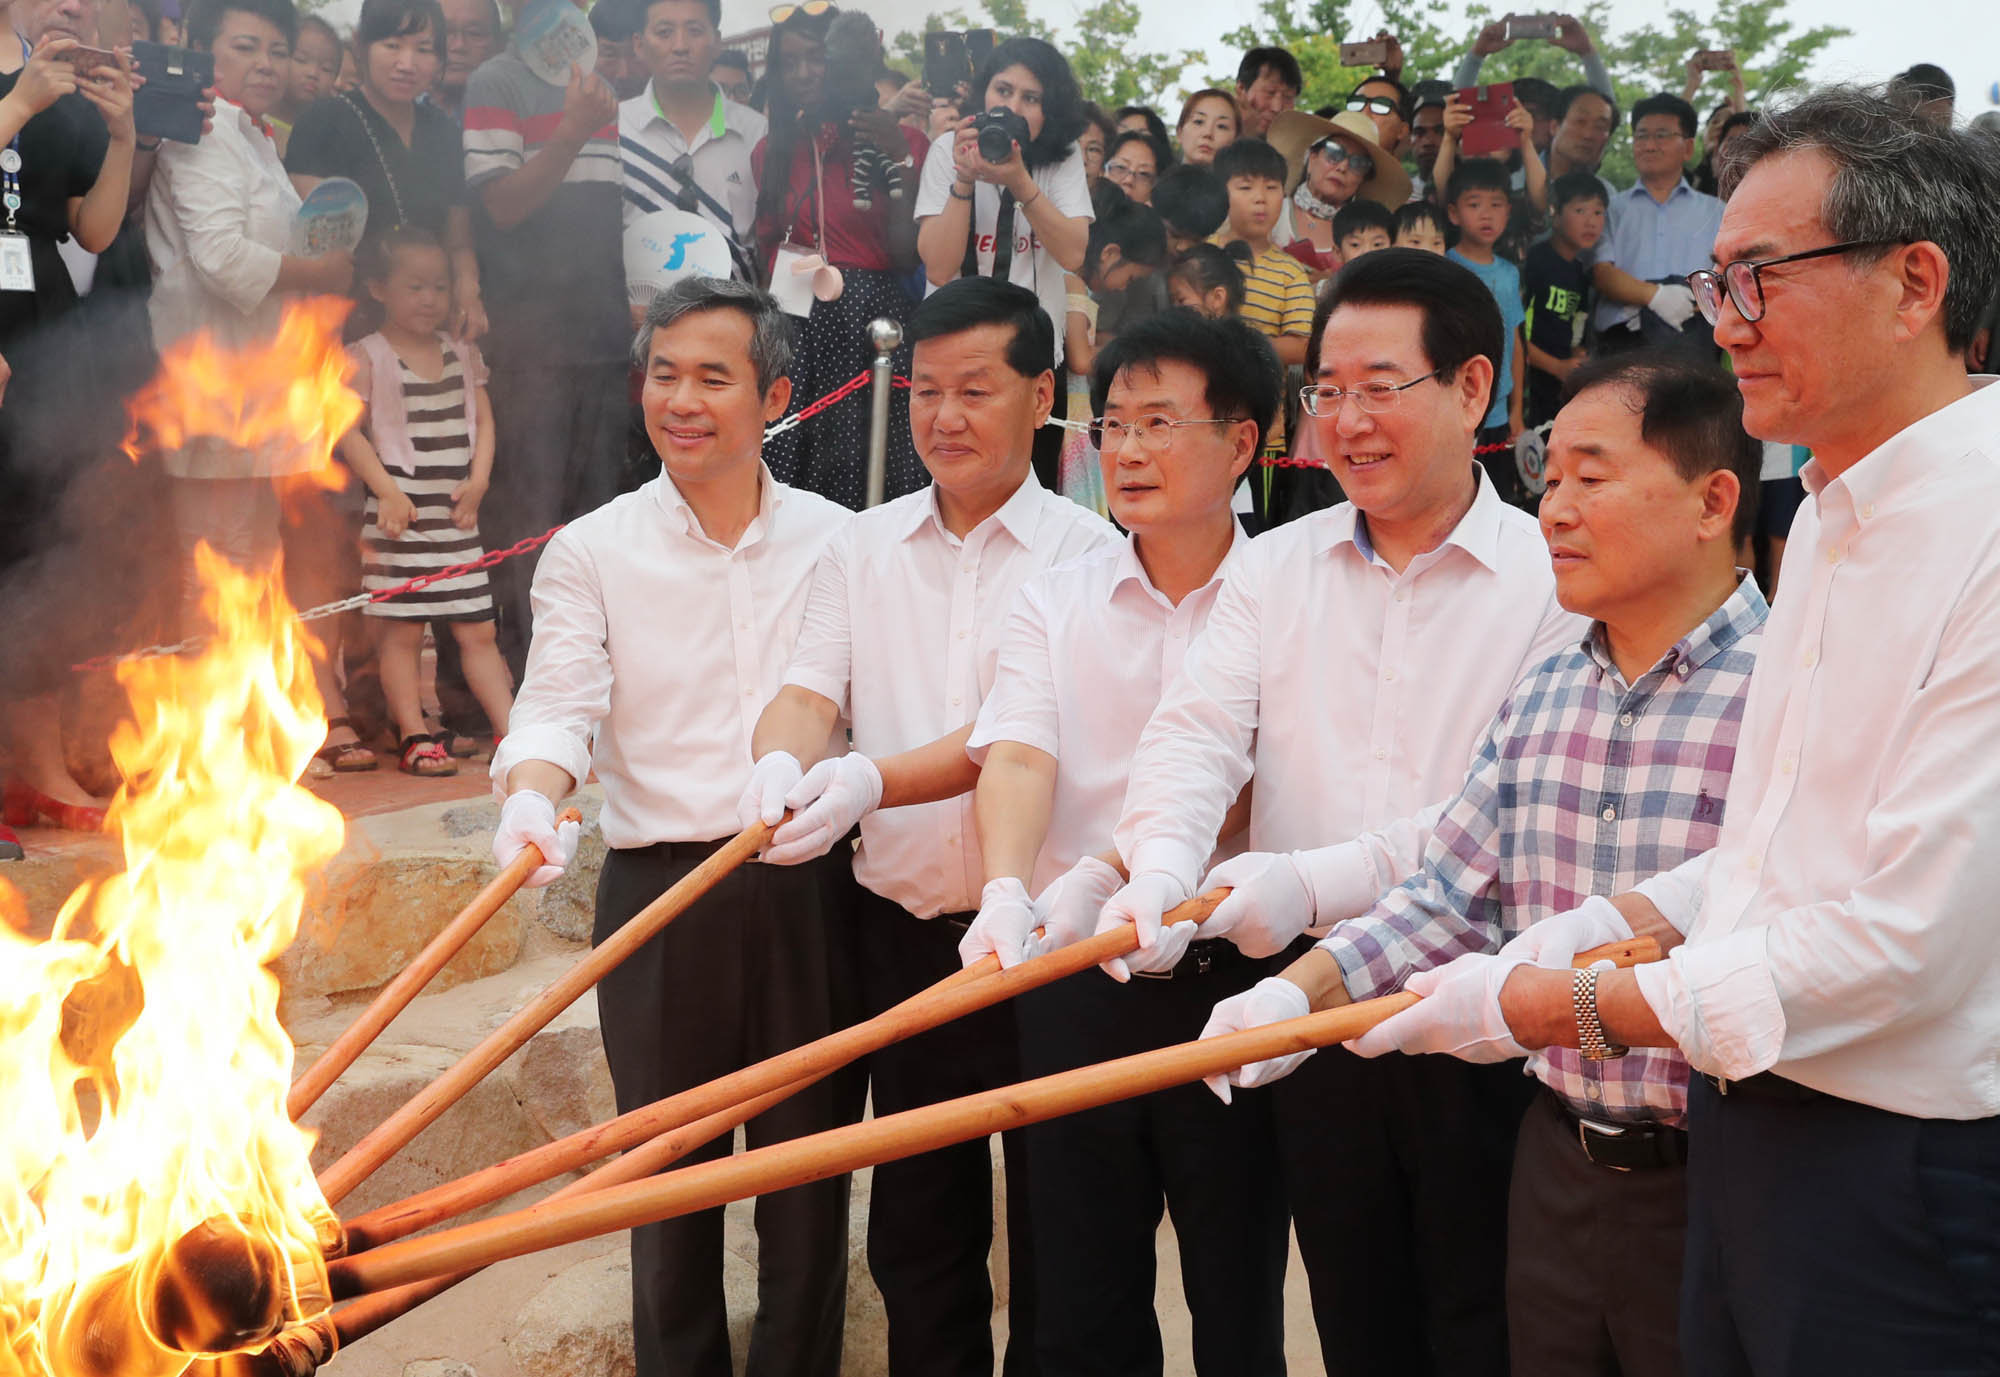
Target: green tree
x=1313 y=33
x=1105 y=54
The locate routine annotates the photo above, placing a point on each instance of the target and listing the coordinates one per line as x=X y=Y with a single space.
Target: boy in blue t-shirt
x=1477 y=201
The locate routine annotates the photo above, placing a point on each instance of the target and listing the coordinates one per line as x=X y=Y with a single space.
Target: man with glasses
x=1089 y=645
x=1351 y=661
x=1382 y=99
x=901 y=631
x=1838 y=994
x=1660 y=231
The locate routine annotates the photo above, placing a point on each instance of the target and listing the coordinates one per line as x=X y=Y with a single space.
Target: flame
x=143 y=1068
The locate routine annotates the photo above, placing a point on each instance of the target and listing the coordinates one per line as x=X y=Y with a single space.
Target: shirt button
x=1592 y=1089
x=954 y=700
x=1610 y=814
x=1402 y=597
x=1811 y=659
x=1833 y=554
x=1789 y=763
x=1681 y=669
x=1390 y=677
x=961 y=635
x=1626 y=720
x=1381 y=754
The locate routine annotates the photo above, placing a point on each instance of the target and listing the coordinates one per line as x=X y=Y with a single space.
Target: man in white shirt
x=1838 y=994
x=1185 y=403
x=682 y=143
x=1352 y=660
x=900 y=636
x=662 y=622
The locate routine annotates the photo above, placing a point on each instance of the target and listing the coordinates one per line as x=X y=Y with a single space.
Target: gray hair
x=770 y=329
x=1897 y=178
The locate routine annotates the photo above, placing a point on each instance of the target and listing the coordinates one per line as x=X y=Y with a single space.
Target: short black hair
x=1250 y=158
x=734 y=57
x=1361 y=214
x=1134 y=228
x=1666 y=103
x=202 y=19
x=378 y=252
x=382 y=19
x=1477 y=174
x=1155 y=126
x=1257 y=60
x=1413 y=213
x=1192 y=200
x=643 y=10
x=1208 y=266
x=1690 y=411
x=1384 y=79
x=1426 y=93
x=1570 y=95
x=1163 y=153
x=1244 y=378
x=616 y=21
x=968 y=303
x=1461 y=318
x=1577 y=186
x=1923 y=81
x=1539 y=97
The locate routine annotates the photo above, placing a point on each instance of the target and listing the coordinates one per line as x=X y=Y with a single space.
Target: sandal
x=422 y=755
x=456 y=746
x=348 y=758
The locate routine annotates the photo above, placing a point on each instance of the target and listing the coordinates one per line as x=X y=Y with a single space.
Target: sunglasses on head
x=1374 y=105
x=811 y=9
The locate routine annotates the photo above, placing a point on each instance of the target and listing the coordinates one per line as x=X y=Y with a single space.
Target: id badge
x=792 y=278
x=17 y=263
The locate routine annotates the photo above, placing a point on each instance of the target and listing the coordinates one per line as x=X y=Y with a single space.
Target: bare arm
x=798 y=722
x=1012 y=804
x=1290 y=349
x=932 y=772
x=1619 y=285
x=941 y=237
x=470 y=310
x=550 y=781
x=588 y=105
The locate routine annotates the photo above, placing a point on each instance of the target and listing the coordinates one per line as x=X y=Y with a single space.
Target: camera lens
x=995 y=144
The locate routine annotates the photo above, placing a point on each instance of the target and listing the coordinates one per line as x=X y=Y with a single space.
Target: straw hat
x=1295 y=131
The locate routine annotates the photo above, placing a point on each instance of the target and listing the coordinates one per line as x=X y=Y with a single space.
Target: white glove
x=1141 y=902
x=1271 y=1000
x=1005 y=925
x=1163 y=955
x=529 y=819
x=1459 y=1013
x=1070 y=905
x=771 y=778
x=1269 y=902
x=1557 y=939
x=1673 y=303
x=826 y=803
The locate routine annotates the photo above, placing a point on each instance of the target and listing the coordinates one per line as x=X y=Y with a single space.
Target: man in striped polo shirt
x=541 y=163
x=1609 y=763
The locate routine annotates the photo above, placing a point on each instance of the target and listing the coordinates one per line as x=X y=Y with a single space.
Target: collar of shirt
x=243 y=122
x=1742 y=613
x=769 y=500
x=1477 y=532
x=1019 y=515
x=1637 y=192
x=718 y=117
x=1913 y=452
x=1130 y=570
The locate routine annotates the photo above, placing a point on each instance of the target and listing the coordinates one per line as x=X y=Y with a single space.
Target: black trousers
x=756 y=966
x=1397 y=1171
x=560 y=432
x=1827 y=1238
x=1593 y=1258
x=930 y=1217
x=1098 y=1180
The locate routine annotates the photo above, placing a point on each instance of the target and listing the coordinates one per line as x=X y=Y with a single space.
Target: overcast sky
x=1940 y=31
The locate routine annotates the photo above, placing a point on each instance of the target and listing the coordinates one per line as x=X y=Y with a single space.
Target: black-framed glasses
x=1151 y=430
x=1324 y=399
x=1742 y=280
x=1337 y=153
x=1374 y=105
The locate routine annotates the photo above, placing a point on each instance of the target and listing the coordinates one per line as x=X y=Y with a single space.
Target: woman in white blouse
x=218 y=227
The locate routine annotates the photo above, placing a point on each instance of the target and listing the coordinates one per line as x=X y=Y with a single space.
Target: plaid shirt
x=1582 y=785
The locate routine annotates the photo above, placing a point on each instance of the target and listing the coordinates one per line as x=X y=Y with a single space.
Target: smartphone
x=979 y=46
x=1534 y=26
x=1716 y=59
x=1372 y=53
x=168 y=106
x=1488 y=132
x=946 y=66
x=88 y=60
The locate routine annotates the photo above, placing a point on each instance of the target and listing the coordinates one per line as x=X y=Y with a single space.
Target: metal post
x=885 y=336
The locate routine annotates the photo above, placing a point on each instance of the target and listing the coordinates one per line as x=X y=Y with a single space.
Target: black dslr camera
x=999 y=129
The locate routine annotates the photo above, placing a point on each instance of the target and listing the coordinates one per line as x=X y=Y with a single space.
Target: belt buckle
x=1584 y=1129
x=1204 y=962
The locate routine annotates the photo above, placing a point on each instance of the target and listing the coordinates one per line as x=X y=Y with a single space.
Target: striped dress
x=436 y=424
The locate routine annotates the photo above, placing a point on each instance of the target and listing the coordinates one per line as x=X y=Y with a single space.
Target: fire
x=156 y=1199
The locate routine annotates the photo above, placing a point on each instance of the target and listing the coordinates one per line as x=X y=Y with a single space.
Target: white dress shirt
x=1842 y=932
x=1374 y=686
x=1090 y=645
x=902 y=631
x=656 y=648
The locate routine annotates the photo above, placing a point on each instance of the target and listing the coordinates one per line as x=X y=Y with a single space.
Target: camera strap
x=1003 y=241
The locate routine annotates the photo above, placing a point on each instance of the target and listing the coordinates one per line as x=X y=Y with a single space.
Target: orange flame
x=143 y=1068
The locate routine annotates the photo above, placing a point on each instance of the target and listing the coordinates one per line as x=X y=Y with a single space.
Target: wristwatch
x=1590 y=1038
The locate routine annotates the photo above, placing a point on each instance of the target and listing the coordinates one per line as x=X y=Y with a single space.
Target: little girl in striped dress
x=425 y=450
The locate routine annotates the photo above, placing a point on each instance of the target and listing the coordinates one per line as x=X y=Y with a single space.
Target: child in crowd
x=1277 y=289
x=1206 y=279
x=1420 y=225
x=1127 y=245
x=1193 y=205
x=309 y=75
x=1476 y=200
x=1557 y=274
x=425 y=450
x=1363 y=226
